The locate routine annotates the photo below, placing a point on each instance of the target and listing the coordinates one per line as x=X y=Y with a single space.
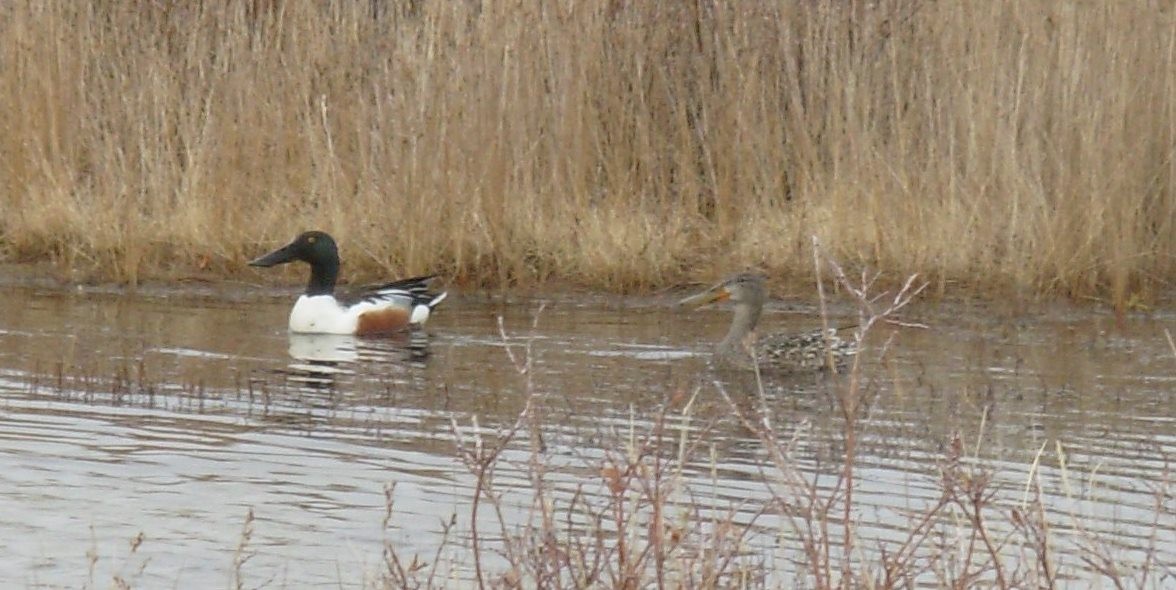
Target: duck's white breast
x=321 y=314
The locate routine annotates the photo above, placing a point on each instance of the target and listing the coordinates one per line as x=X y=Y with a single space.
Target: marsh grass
x=1024 y=145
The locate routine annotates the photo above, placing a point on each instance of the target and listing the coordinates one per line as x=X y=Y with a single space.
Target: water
x=138 y=432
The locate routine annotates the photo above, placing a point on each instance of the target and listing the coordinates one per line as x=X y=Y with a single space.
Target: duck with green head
x=381 y=309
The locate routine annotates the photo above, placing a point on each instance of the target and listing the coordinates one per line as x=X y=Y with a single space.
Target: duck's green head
x=312 y=247
x=315 y=248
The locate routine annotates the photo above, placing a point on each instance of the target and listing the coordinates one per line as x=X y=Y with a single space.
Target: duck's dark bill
x=280 y=256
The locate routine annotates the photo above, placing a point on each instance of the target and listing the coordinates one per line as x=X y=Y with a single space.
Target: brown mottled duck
x=778 y=353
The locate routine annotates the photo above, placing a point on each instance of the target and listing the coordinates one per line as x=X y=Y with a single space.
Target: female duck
x=381 y=309
x=781 y=353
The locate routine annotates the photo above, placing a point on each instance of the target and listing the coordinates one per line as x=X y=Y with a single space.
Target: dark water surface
x=174 y=417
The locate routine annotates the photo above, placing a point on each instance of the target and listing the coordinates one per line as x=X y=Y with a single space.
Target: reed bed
x=1009 y=145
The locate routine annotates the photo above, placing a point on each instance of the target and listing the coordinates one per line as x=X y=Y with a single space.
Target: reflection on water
x=174 y=418
x=318 y=360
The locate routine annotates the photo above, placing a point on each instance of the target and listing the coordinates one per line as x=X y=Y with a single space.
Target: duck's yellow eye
x=311 y=239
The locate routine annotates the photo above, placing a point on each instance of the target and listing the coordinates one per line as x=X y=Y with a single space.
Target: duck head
x=315 y=248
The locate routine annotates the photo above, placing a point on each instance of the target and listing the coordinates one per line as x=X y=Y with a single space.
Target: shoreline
x=238 y=287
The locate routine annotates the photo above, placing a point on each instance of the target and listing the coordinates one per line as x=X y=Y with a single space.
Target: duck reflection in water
x=318 y=360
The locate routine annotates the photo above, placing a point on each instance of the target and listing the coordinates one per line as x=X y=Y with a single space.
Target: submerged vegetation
x=1023 y=145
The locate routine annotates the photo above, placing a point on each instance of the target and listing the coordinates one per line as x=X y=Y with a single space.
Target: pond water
x=139 y=432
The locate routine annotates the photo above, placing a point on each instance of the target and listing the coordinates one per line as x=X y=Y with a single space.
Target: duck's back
x=803 y=352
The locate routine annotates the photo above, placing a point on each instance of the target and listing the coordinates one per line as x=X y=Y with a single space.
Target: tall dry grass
x=1008 y=144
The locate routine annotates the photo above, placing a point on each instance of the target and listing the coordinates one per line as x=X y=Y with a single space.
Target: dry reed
x=992 y=145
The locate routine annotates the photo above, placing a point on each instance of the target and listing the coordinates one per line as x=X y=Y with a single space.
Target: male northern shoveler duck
x=781 y=353
x=381 y=309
